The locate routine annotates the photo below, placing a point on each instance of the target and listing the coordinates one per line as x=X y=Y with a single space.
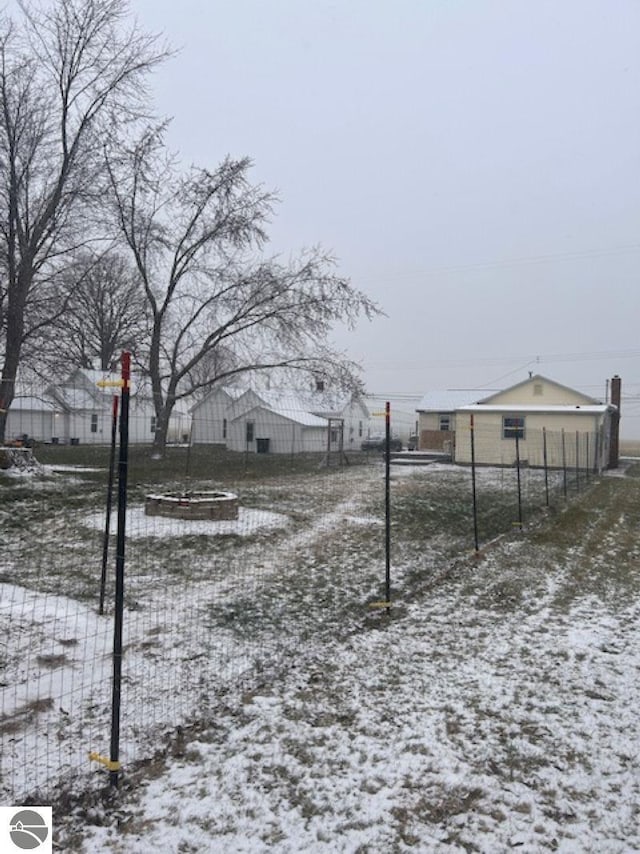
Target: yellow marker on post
x=108 y=763
x=112 y=383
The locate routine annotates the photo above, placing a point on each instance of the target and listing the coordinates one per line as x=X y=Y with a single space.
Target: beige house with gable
x=537 y=419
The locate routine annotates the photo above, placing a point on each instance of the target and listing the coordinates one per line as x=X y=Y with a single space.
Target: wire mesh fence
x=238 y=554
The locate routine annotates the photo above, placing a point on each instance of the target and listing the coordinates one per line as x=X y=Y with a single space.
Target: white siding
x=36 y=424
x=209 y=417
x=284 y=435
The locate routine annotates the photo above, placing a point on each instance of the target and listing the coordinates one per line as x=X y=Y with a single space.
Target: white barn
x=33 y=415
x=281 y=430
x=217 y=416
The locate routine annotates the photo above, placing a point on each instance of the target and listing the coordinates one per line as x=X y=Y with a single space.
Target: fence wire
x=215 y=605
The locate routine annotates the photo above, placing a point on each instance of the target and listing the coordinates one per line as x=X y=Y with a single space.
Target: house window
x=224 y=428
x=94 y=422
x=152 y=424
x=513 y=427
x=360 y=429
x=250 y=433
x=537 y=389
x=445 y=422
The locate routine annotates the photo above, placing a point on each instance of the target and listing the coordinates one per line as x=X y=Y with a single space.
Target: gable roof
x=451 y=399
x=295 y=414
x=32 y=403
x=571 y=393
x=72 y=397
x=81 y=389
x=331 y=404
x=233 y=392
x=324 y=404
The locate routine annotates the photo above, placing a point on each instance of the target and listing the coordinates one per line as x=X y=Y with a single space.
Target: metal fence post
x=473 y=485
x=114 y=764
x=546 y=467
x=586 y=457
x=387 y=460
x=107 y=523
x=519 y=483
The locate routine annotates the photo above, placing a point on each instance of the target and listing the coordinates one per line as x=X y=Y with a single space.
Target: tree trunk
x=7 y=386
x=160 y=436
x=15 y=336
x=163 y=418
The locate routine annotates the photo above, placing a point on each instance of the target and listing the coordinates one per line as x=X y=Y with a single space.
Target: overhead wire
x=511 y=262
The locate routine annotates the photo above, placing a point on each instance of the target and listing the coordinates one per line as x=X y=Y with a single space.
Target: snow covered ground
x=495 y=710
x=138 y=525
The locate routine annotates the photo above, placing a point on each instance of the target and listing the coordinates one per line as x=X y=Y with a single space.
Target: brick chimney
x=614 y=437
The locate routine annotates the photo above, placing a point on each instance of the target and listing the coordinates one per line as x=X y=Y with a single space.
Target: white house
x=347 y=412
x=84 y=407
x=217 y=418
x=537 y=419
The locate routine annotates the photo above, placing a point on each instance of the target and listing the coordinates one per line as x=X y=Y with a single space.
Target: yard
x=267 y=706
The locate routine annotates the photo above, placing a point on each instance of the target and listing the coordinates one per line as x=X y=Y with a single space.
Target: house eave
x=560 y=409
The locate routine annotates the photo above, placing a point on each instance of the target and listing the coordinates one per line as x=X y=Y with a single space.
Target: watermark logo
x=25 y=829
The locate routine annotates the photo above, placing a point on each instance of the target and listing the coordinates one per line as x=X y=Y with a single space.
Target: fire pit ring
x=217 y=506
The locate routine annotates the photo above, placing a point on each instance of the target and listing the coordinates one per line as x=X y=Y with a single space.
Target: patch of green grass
x=592 y=547
x=182 y=463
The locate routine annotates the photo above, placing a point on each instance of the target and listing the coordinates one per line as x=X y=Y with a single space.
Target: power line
x=510 y=262
x=496 y=361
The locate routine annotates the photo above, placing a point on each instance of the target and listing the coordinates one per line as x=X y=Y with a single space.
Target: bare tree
x=195 y=239
x=70 y=73
x=105 y=314
x=216 y=363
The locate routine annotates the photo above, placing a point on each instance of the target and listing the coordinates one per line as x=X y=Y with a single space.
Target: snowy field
x=494 y=709
x=455 y=728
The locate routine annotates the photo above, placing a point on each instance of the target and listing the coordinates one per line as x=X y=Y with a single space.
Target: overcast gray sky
x=473 y=164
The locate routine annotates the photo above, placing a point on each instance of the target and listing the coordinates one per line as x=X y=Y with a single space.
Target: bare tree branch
x=217 y=307
x=71 y=73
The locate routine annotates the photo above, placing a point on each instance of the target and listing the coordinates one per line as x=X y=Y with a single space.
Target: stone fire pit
x=217 y=506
